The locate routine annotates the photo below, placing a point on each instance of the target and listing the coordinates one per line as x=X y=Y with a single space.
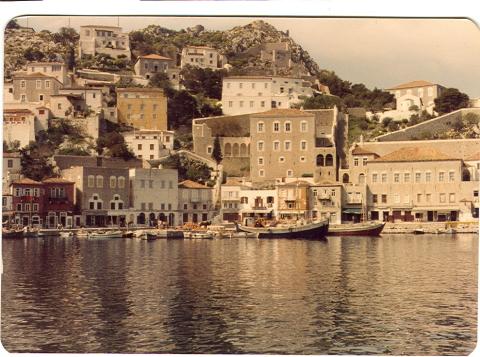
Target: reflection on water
x=390 y=295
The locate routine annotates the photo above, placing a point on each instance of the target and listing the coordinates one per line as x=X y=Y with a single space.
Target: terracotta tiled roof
x=139 y=89
x=283 y=113
x=413 y=84
x=17 y=111
x=11 y=154
x=297 y=183
x=234 y=181
x=191 y=184
x=56 y=180
x=362 y=151
x=414 y=154
x=248 y=77
x=34 y=75
x=203 y=47
x=27 y=181
x=154 y=56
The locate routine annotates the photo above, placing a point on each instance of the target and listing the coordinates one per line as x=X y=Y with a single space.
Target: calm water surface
x=392 y=295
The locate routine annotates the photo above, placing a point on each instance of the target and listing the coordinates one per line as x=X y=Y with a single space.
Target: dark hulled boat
x=369 y=229
x=316 y=230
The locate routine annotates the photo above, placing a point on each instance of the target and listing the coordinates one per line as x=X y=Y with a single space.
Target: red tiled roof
x=11 y=154
x=154 y=56
x=26 y=181
x=413 y=84
x=56 y=180
x=474 y=157
x=17 y=111
x=362 y=151
x=34 y=75
x=414 y=154
x=191 y=184
x=139 y=89
x=283 y=113
x=297 y=183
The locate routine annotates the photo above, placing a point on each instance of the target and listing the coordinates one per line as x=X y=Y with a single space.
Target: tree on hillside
x=35 y=163
x=67 y=36
x=202 y=81
x=160 y=80
x=336 y=85
x=322 y=102
x=115 y=143
x=33 y=54
x=182 y=108
x=217 y=150
x=451 y=99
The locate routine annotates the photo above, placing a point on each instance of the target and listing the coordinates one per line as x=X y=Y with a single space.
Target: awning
x=352 y=210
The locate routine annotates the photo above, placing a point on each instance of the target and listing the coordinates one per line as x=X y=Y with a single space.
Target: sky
x=377 y=52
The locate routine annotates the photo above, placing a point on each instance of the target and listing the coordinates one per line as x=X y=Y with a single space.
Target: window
x=451 y=176
x=451 y=197
x=288 y=127
x=35 y=207
x=47 y=84
x=364 y=161
x=152 y=146
x=22 y=84
x=375 y=198
x=428 y=176
x=150 y=206
x=209 y=149
x=428 y=197
x=251 y=104
x=441 y=176
x=91 y=181
x=303 y=126
x=406 y=199
x=99 y=181
x=355 y=161
x=230 y=104
x=38 y=84
x=374 y=178
x=240 y=85
x=112 y=205
x=113 y=182
x=59 y=106
x=302 y=159
x=260 y=127
x=384 y=178
x=260 y=160
x=396 y=198
x=276 y=126
x=139 y=146
x=99 y=205
x=121 y=182
x=443 y=198
x=261 y=173
x=289 y=173
x=418 y=177
x=287 y=145
x=240 y=104
x=266 y=85
x=19 y=207
x=10 y=163
x=406 y=177
x=384 y=198
x=303 y=145
x=262 y=104
x=396 y=177
x=260 y=146
x=142 y=183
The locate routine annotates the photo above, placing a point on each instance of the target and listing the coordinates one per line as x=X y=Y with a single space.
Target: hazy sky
x=378 y=52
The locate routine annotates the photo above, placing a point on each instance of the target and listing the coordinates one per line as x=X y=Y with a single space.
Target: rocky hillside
x=22 y=46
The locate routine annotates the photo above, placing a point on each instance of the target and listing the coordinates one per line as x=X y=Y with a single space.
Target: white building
x=57 y=70
x=195 y=201
x=150 y=144
x=108 y=40
x=253 y=94
x=18 y=125
x=201 y=56
x=154 y=196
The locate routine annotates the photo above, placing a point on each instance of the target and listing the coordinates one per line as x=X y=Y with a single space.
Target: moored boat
x=370 y=229
x=315 y=230
x=66 y=234
x=12 y=234
x=108 y=234
x=48 y=233
x=149 y=236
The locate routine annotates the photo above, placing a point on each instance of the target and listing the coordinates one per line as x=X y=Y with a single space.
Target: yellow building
x=142 y=108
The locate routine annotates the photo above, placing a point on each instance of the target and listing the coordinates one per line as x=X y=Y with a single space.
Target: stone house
x=148 y=65
x=102 y=195
x=150 y=144
x=18 y=125
x=202 y=56
x=294 y=200
x=153 y=197
x=57 y=70
x=34 y=88
x=109 y=40
x=28 y=202
x=59 y=202
x=195 y=202
x=142 y=108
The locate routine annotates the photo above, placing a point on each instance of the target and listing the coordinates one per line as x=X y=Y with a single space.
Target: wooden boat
x=419 y=231
x=201 y=235
x=30 y=233
x=315 y=230
x=48 y=233
x=149 y=236
x=12 y=234
x=369 y=229
x=66 y=234
x=108 y=234
x=128 y=234
x=81 y=234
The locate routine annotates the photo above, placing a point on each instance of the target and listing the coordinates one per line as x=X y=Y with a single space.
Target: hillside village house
x=34 y=88
x=102 y=195
x=148 y=65
x=93 y=98
x=252 y=94
x=59 y=202
x=11 y=168
x=294 y=200
x=18 y=125
x=202 y=56
x=28 y=202
x=142 y=108
x=153 y=197
x=326 y=201
x=150 y=144
x=195 y=201
x=109 y=40
x=57 y=70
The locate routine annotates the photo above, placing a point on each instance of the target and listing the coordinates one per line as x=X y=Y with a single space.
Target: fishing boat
x=201 y=235
x=369 y=229
x=48 y=233
x=12 y=234
x=30 y=233
x=128 y=234
x=315 y=230
x=66 y=234
x=419 y=231
x=149 y=236
x=108 y=234
x=81 y=234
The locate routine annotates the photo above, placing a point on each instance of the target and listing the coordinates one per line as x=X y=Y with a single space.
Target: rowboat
x=66 y=234
x=315 y=230
x=108 y=234
x=370 y=229
x=12 y=234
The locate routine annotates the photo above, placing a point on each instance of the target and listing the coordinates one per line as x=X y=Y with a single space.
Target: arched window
x=236 y=150
x=466 y=175
x=99 y=181
x=243 y=150
x=345 y=178
x=320 y=161
x=361 y=178
x=228 y=149
x=121 y=182
x=141 y=218
x=329 y=160
x=113 y=182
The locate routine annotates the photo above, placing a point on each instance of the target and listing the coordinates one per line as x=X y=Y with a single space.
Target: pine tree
x=217 y=151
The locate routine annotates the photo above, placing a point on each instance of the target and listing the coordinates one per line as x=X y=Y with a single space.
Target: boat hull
x=373 y=230
x=309 y=231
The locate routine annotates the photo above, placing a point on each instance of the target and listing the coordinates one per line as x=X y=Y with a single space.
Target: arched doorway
x=345 y=178
x=141 y=218
x=228 y=149
x=171 y=219
x=151 y=218
x=361 y=178
x=329 y=160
